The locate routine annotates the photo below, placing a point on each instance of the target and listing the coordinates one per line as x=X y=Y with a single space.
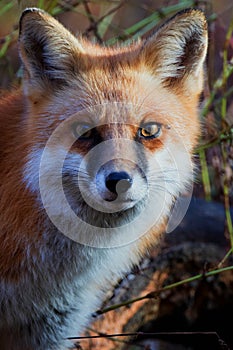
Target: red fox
x=95 y=147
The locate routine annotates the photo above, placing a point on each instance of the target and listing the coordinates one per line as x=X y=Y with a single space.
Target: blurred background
x=114 y=21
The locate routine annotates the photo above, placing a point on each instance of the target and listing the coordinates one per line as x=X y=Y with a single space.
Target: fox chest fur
x=95 y=148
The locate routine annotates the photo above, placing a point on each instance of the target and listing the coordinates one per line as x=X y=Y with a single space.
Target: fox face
x=111 y=129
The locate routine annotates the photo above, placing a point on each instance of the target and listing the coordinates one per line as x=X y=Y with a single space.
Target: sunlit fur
x=50 y=284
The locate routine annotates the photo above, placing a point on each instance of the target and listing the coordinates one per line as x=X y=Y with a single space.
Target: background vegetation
x=115 y=20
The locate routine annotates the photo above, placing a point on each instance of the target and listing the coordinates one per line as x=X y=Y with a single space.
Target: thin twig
x=155 y=294
x=156 y=334
x=230 y=251
x=110 y=12
x=92 y=20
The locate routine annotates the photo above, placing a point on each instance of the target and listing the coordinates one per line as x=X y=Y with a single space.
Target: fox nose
x=118 y=182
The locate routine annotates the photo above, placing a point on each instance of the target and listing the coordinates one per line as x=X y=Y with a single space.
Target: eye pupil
x=86 y=133
x=150 y=131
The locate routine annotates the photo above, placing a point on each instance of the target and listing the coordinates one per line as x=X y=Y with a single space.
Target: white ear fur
x=178 y=49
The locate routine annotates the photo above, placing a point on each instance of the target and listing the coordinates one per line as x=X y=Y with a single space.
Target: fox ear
x=48 y=50
x=176 y=51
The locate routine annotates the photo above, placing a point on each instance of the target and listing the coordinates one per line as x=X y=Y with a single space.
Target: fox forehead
x=129 y=106
x=126 y=82
x=127 y=87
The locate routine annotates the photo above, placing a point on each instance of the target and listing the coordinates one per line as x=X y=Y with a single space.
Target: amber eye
x=150 y=131
x=82 y=131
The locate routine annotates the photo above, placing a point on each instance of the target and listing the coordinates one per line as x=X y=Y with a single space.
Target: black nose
x=118 y=182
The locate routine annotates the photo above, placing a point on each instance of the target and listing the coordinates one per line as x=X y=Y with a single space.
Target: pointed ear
x=48 y=51
x=176 y=52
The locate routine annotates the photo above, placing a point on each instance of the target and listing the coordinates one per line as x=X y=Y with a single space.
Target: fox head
x=111 y=129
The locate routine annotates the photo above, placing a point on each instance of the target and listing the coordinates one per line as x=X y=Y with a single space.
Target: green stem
x=205 y=175
x=149 y=22
x=230 y=251
x=156 y=293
